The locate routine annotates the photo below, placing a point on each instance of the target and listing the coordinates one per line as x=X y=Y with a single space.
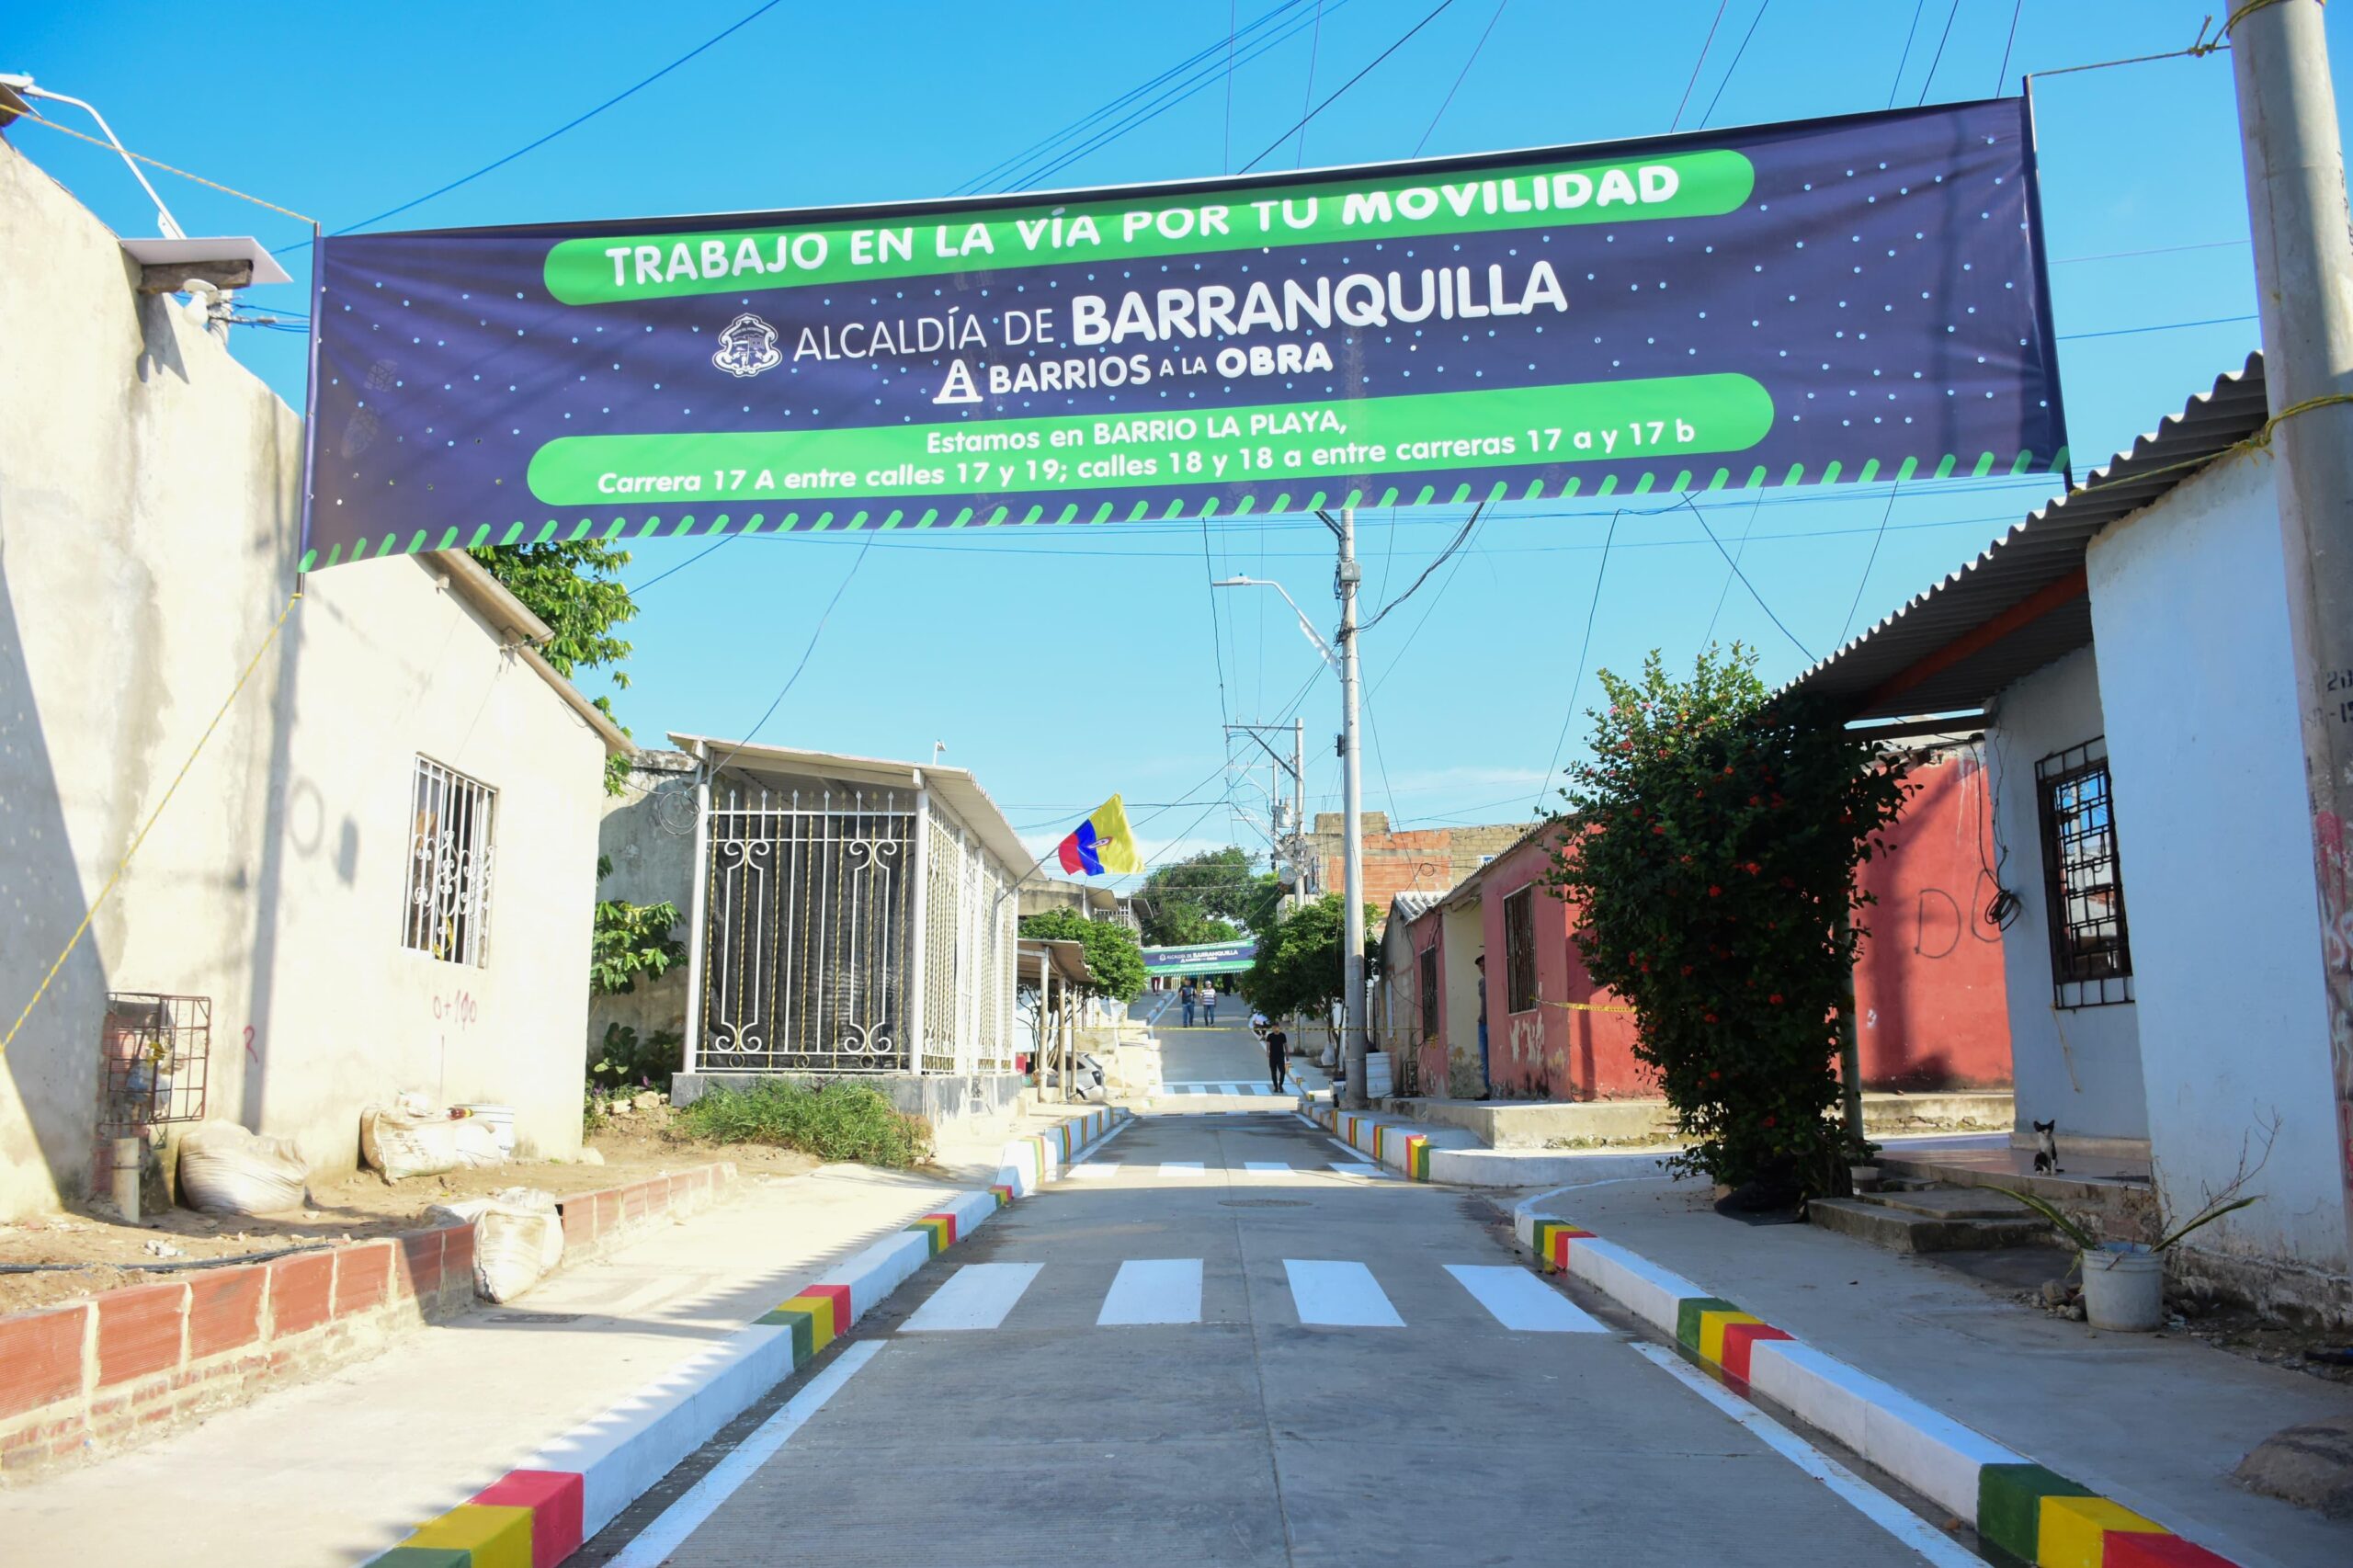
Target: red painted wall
x=1928 y=988
x=1550 y=1051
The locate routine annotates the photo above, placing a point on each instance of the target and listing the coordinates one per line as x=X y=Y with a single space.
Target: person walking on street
x=1278 y=1054
x=1208 y=1004
x=1486 y=1084
x=1185 y=995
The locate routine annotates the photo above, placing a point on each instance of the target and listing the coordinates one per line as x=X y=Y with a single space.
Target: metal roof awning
x=2024 y=602
x=1032 y=955
x=955 y=786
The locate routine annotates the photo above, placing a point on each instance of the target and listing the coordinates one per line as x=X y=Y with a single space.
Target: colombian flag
x=1102 y=843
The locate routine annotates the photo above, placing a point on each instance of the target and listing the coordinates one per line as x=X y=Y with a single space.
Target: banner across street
x=1842 y=300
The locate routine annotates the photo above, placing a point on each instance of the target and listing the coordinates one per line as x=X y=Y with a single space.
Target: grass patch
x=834 y=1121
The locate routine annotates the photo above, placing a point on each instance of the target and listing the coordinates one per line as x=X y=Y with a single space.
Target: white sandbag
x=224 y=1169
x=426 y=1142
x=518 y=1237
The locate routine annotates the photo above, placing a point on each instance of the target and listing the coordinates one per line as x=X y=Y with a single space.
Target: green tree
x=1714 y=839
x=1208 y=897
x=1113 y=955
x=1298 y=968
x=628 y=941
x=575 y=587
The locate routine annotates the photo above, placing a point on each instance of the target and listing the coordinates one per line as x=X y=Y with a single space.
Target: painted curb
x=1403 y=1146
x=539 y=1514
x=2033 y=1514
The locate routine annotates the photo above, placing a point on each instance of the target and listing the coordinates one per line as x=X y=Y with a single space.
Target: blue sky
x=1062 y=666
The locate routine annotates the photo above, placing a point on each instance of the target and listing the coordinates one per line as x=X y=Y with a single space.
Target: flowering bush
x=1713 y=856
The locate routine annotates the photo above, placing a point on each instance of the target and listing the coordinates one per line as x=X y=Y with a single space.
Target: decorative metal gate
x=809 y=928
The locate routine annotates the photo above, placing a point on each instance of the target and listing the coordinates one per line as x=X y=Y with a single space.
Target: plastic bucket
x=2124 y=1288
x=501 y=1119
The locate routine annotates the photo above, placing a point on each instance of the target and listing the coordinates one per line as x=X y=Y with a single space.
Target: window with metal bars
x=2091 y=952
x=445 y=914
x=1519 y=951
x=1427 y=980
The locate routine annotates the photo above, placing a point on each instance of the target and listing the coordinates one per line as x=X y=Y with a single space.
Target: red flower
x=1709 y=1017
x=1775 y=998
x=1659 y=827
x=1756 y=800
x=1768 y=1121
x=1713 y=1075
x=1714 y=891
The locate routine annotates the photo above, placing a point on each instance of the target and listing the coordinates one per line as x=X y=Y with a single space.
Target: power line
x=1457 y=543
x=577 y=120
x=1448 y=100
x=1227 y=164
x=1177 y=94
x=1721 y=593
x=2164 y=326
x=1905 y=59
x=1080 y=126
x=806 y=653
x=2009 y=43
x=1706 y=44
x=1868 y=562
x=1930 y=80
x=1751 y=33
x=1369 y=66
x=1314 y=50
x=1751 y=587
x=1577 y=683
x=2153 y=250
x=725 y=540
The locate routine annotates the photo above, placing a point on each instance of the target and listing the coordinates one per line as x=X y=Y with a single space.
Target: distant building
x=1041 y=893
x=846 y=915
x=1927 y=990
x=1408 y=860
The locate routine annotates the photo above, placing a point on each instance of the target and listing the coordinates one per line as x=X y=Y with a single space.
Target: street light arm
x=1321 y=646
x=171 y=230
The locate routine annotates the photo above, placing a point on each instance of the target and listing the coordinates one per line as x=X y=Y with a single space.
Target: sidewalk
x=2156 y=1422
x=338 y=1470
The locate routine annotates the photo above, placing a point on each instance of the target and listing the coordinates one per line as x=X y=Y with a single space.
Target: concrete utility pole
x=2303 y=269
x=1352 y=806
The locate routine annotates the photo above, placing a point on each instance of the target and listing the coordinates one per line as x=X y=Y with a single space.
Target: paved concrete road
x=1227 y=1060
x=1209 y=1346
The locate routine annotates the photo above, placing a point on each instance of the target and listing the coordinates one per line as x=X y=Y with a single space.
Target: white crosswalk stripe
x=1225 y=1086
x=1155 y=1289
x=1096 y=1170
x=978 y=1295
x=1181 y=1169
x=1339 y=1295
x=1519 y=1300
x=1263 y=1165
x=1360 y=1168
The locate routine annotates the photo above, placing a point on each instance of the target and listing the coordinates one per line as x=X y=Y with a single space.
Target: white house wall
x=149 y=505
x=2081 y=1066
x=2188 y=606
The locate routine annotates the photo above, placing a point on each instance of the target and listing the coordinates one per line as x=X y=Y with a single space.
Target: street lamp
x=1343 y=660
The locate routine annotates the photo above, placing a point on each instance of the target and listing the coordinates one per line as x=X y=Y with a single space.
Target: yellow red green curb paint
x=2026 y=1512
x=539 y=1515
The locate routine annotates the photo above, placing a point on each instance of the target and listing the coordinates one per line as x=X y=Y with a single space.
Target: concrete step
x=1950 y=1202
x=1902 y=1231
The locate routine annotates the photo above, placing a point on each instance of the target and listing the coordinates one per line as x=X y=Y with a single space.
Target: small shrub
x=833 y=1122
x=626 y=1062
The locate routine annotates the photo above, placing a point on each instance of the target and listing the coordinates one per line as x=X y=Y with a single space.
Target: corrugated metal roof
x=2036 y=557
x=1413 y=905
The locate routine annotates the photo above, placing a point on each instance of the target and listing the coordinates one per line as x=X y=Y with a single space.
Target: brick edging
x=89 y=1378
x=542 y=1512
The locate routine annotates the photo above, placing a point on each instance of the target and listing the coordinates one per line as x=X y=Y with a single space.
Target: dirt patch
x=103 y=1251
